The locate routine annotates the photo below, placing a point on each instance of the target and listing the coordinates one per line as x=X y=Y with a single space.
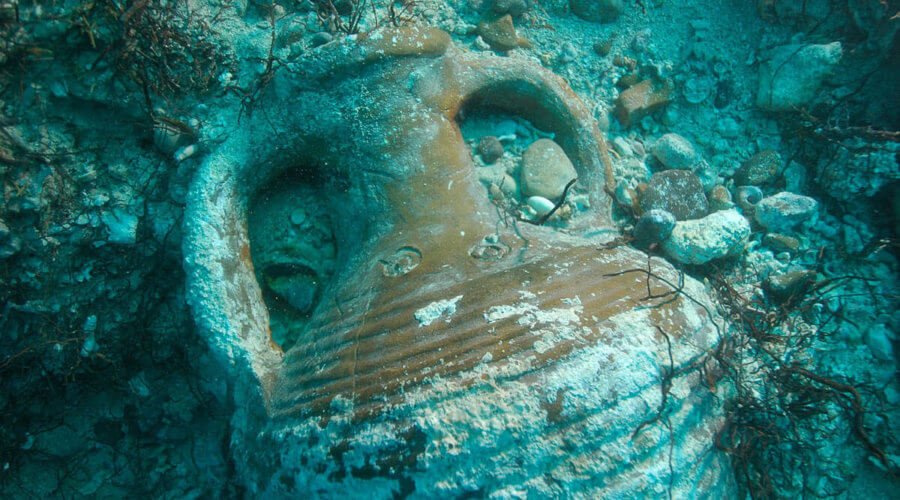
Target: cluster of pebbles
x=525 y=170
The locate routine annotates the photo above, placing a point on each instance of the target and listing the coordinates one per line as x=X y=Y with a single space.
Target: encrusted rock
x=785 y=211
x=678 y=192
x=501 y=34
x=782 y=287
x=720 y=198
x=599 y=11
x=490 y=148
x=9 y=243
x=122 y=226
x=514 y=8
x=674 y=151
x=794 y=73
x=640 y=100
x=320 y=39
x=781 y=242
x=546 y=170
x=699 y=241
x=653 y=227
x=879 y=341
x=760 y=169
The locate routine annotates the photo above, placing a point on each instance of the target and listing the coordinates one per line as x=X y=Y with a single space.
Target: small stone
x=568 y=53
x=728 y=127
x=490 y=148
x=501 y=34
x=122 y=226
x=653 y=227
x=760 y=169
x=514 y=8
x=720 y=198
x=169 y=134
x=298 y=290
x=320 y=39
x=793 y=75
x=638 y=101
x=782 y=287
x=546 y=170
x=678 y=192
x=699 y=241
x=674 y=152
x=9 y=243
x=542 y=206
x=298 y=216
x=781 y=242
x=697 y=89
x=598 y=11
x=784 y=211
x=879 y=342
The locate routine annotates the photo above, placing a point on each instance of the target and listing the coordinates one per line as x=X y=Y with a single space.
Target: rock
x=793 y=75
x=699 y=241
x=490 y=148
x=781 y=242
x=760 y=169
x=542 y=206
x=60 y=441
x=720 y=198
x=501 y=34
x=546 y=170
x=568 y=53
x=598 y=11
x=782 y=287
x=9 y=243
x=122 y=226
x=514 y=8
x=697 y=89
x=170 y=134
x=675 y=152
x=879 y=342
x=639 y=101
x=784 y=211
x=653 y=227
x=678 y=192
x=296 y=289
x=320 y=39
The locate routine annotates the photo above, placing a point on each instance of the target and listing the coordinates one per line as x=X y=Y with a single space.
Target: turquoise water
x=480 y=248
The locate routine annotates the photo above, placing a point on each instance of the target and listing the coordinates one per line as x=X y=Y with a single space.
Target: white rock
x=784 y=211
x=699 y=241
x=542 y=206
x=675 y=152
